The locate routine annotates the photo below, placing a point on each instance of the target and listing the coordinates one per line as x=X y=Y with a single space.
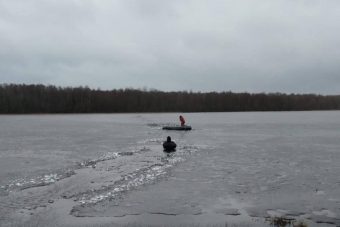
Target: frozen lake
x=109 y=169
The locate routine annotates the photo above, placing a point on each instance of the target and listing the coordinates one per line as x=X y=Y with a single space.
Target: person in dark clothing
x=169 y=145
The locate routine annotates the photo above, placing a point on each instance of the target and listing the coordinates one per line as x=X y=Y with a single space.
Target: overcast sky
x=199 y=45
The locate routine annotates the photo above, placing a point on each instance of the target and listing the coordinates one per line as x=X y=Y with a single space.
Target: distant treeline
x=16 y=98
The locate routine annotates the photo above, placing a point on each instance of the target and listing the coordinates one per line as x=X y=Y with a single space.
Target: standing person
x=181 y=118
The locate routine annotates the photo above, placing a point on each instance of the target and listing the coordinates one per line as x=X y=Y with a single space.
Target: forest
x=25 y=99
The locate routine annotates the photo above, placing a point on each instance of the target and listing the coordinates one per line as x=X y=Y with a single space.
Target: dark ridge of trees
x=20 y=98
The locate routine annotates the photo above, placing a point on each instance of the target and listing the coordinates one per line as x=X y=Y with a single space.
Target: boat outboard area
x=169 y=146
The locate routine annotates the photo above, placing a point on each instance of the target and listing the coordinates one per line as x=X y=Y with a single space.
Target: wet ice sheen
x=239 y=165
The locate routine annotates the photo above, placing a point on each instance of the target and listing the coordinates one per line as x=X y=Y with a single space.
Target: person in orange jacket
x=181 y=118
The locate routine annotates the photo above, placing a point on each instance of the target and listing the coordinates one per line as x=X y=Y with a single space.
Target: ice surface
x=233 y=166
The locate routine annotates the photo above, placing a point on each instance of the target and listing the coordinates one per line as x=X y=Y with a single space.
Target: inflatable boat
x=177 y=127
x=169 y=146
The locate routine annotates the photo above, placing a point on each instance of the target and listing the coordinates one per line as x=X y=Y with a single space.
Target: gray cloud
x=246 y=45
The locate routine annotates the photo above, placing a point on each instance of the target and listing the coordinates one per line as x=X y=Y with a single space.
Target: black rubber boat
x=169 y=146
x=178 y=127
